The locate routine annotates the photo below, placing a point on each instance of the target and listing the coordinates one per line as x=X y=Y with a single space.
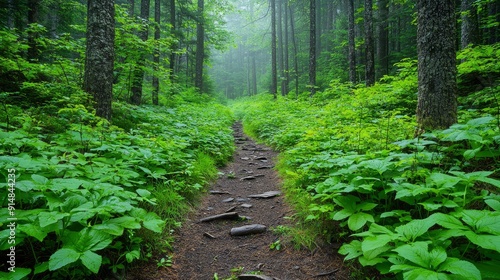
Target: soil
x=203 y=249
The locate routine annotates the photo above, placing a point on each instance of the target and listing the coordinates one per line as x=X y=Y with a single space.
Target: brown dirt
x=198 y=256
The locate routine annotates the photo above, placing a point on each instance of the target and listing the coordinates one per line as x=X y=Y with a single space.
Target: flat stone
x=242 y=199
x=268 y=194
x=246 y=205
x=228 y=199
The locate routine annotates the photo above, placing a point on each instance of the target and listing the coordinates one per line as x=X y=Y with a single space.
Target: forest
x=116 y=117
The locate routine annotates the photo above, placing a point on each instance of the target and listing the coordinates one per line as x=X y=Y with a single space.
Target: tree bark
x=138 y=79
x=352 y=46
x=281 y=62
x=274 y=79
x=383 y=38
x=437 y=103
x=285 y=81
x=369 y=45
x=156 y=54
x=99 y=60
x=312 y=46
x=200 y=47
x=173 y=24
x=33 y=17
x=295 y=52
x=470 y=25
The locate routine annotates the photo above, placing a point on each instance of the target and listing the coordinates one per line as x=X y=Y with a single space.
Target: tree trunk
x=383 y=38
x=33 y=17
x=254 y=75
x=281 y=62
x=274 y=79
x=285 y=81
x=352 y=46
x=295 y=52
x=99 y=59
x=131 y=7
x=437 y=103
x=156 y=54
x=369 y=45
x=312 y=46
x=174 y=46
x=470 y=25
x=138 y=79
x=200 y=47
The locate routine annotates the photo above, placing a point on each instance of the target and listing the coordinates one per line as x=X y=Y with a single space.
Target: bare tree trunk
x=383 y=38
x=369 y=45
x=437 y=103
x=138 y=79
x=254 y=75
x=286 y=80
x=156 y=54
x=274 y=79
x=295 y=52
x=131 y=7
x=173 y=23
x=99 y=59
x=352 y=46
x=33 y=17
x=470 y=25
x=312 y=46
x=281 y=62
x=200 y=47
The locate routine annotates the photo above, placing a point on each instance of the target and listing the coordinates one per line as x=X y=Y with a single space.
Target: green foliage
x=90 y=196
x=423 y=208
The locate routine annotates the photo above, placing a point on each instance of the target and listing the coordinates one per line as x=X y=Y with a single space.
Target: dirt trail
x=205 y=248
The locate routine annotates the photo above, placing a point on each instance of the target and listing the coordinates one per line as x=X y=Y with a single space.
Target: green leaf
x=490 y=242
x=18 y=274
x=462 y=268
x=414 y=229
x=132 y=255
x=86 y=239
x=493 y=203
x=41 y=268
x=342 y=214
x=62 y=257
x=48 y=218
x=489 y=269
x=91 y=260
x=152 y=222
x=374 y=242
x=33 y=230
x=424 y=274
x=415 y=252
x=447 y=221
x=358 y=220
x=443 y=180
x=352 y=250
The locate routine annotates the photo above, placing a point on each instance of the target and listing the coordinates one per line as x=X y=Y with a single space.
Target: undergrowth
x=413 y=208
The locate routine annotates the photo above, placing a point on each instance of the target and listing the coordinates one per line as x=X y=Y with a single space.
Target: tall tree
x=274 y=78
x=286 y=79
x=470 y=24
x=136 y=97
x=281 y=46
x=383 y=38
x=437 y=71
x=173 y=24
x=369 y=45
x=351 y=37
x=33 y=17
x=295 y=51
x=156 y=54
x=312 y=46
x=200 y=47
x=99 y=59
